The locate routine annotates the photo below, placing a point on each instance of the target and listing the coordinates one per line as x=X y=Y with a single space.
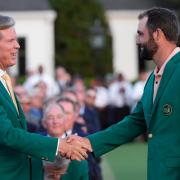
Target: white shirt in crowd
x=120 y=93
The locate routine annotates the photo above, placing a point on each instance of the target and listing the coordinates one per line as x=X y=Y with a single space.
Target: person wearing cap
x=19 y=148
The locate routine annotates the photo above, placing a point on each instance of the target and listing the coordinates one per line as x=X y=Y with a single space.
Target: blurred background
x=84 y=45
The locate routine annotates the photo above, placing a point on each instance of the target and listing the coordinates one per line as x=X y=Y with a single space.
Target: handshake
x=75 y=147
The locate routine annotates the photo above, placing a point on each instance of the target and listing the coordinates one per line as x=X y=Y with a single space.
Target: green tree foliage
x=72 y=31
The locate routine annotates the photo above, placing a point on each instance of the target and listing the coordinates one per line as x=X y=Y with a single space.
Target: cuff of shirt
x=57 y=152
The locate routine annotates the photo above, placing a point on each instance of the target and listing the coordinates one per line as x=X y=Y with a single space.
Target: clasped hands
x=75 y=147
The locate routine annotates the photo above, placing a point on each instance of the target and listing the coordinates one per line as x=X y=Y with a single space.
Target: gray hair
x=48 y=108
x=6 y=22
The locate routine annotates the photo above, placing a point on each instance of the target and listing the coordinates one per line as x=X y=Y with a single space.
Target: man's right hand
x=75 y=150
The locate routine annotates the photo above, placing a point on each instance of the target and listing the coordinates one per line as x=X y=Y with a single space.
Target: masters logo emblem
x=167 y=109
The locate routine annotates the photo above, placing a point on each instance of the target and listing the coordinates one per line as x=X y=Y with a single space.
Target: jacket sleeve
x=24 y=142
x=120 y=133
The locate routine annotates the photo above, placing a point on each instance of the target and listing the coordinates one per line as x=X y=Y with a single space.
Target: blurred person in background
x=70 y=111
x=90 y=114
x=20 y=90
x=138 y=87
x=63 y=79
x=33 y=116
x=76 y=170
x=80 y=124
x=40 y=76
x=101 y=101
x=120 y=98
x=32 y=123
x=36 y=111
x=79 y=87
x=53 y=122
x=91 y=118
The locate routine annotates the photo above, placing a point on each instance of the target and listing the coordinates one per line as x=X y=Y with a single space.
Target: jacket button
x=150 y=135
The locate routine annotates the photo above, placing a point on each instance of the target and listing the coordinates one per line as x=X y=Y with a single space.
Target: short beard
x=148 y=50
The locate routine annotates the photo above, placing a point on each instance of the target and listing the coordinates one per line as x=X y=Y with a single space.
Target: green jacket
x=17 y=145
x=161 y=119
x=76 y=171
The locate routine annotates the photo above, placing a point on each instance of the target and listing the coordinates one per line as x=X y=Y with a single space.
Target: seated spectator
x=32 y=123
x=54 y=121
x=79 y=124
x=37 y=103
x=20 y=91
x=91 y=118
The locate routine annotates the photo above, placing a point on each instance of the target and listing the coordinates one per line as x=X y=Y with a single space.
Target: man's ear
x=158 y=35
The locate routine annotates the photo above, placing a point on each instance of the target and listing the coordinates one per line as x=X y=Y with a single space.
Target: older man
x=76 y=170
x=17 y=146
x=53 y=121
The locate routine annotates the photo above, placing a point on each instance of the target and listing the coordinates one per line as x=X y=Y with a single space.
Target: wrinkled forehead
x=54 y=111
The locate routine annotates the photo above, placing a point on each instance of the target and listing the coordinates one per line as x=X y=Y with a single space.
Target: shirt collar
x=69 y=132
x=2 y=72
x=159 y=72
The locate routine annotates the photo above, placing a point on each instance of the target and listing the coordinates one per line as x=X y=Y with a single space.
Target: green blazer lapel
x=168 y=72
x=9 y=100
x=149 y=97
x=21 y=114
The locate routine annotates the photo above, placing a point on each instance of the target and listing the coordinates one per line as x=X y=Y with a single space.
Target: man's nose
x=17 y=45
